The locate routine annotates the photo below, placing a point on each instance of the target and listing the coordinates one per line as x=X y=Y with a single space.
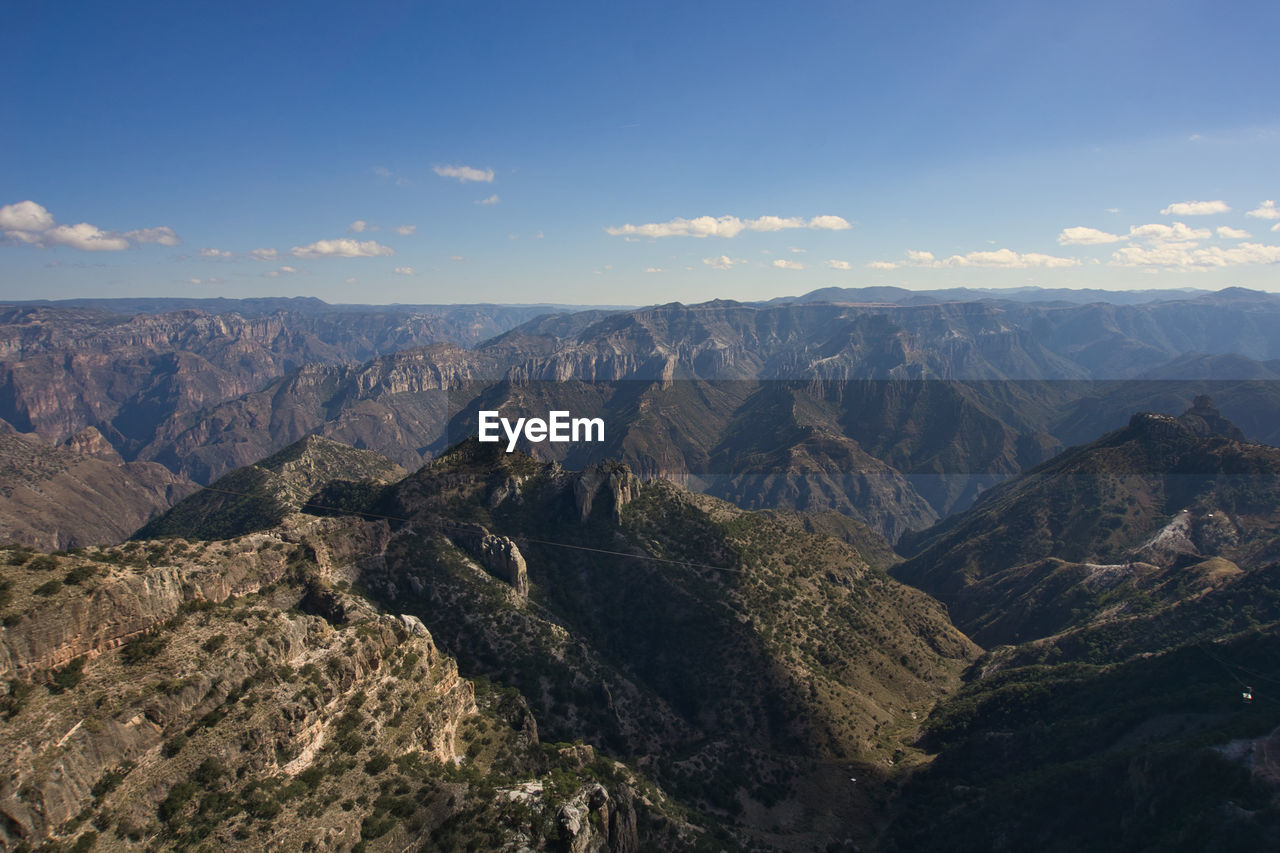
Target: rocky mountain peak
x=1204 y=419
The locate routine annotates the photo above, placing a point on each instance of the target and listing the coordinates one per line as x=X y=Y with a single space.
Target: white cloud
x=163 y=235
x=465 y=173
x=1175 y=233
x=282 y=271
x=1008 y=259
x=403 y=270
x=25 y=216
x=493 y=199
x=342 y=248
x=1265 y=210
x=85 y=237
x=1113 y=210
x=829 y=223
x=1226 y=232
x=725 y=226
x=264 y=254
x=1276 y=227
x=998 y=259
x=788 y=265
x=1196 y=208
x=654 y=269
x=839 y=265
x=1189 y=256
x=723 y=262
x=32 y=223
x=406 y=230
x=213 y=253
x=796 y=251
x=1083 y=236
x=775 y=223
x=357 y=226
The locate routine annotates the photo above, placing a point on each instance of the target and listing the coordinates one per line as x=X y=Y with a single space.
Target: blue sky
x=613 y=152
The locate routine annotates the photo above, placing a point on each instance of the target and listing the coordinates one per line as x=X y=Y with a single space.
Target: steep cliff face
x=747 y=650
x=123 y=592
x=1117 y=523
x=62 y=369
x=610 y=485
x=237 y=694
x=78 y=494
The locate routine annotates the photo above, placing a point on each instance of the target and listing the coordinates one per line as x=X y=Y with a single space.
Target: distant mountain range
x=895 y=414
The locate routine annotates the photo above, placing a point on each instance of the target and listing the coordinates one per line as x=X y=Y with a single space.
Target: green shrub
x=142 y=648
x=110 y=780
x=174 y=745
x=69 y=676
x=79 y=575
x=208 y=773
x=173 y=804
x=43 y=563
x=377 y=763
x=48 y=588
x=214 y=643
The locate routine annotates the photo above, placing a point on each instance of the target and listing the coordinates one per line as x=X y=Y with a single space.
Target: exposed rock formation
x=607 y=484
x=503 y=559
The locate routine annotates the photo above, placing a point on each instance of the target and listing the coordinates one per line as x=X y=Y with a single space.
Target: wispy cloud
x=342 y=248
x=722 y=262
x=163 y=236
x=726 y=226
x=32 y=224
x=1178 y=232
x=357 y=227
x=213 y=253
x=403 y=271
x=465 y=173
x=1265 y=210
x=1196 y=208
x=264 y=254
x=384 y=172
x=1226 y=232
x=405 y=230
x=839 y=265
x=493 y=199
x=286 y=270
x=998 y=259
x=782 y=264
x=1083 y=236
x=1190 y=256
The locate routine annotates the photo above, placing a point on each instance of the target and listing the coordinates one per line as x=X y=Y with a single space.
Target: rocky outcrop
x=596 y=822
x=58 y=758
x=130 y=601
x=607 y=484
x=502 y=558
